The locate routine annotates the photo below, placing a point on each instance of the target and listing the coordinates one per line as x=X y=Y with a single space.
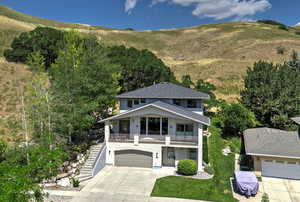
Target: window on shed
x=143 y=101
x=136 y=101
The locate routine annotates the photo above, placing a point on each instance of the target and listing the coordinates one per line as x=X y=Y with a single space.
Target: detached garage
x=275 y=153
x=279 y=168
x=133 y=158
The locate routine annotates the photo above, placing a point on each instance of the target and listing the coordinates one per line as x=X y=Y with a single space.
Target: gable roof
x=179 y=111
x=296 y=120
x=165 y=90
x=272 y=142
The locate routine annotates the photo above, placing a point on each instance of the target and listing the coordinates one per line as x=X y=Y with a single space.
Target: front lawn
x=216 y=189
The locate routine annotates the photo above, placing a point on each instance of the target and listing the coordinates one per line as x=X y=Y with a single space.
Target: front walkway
x=122 y=184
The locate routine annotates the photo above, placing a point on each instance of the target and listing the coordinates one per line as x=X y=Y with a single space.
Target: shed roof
x=272 y=142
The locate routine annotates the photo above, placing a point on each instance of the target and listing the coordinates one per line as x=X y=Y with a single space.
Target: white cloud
x=129 y=5
x=216 y=9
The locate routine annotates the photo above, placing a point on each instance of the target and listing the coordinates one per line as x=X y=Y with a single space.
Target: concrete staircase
x=86 y=171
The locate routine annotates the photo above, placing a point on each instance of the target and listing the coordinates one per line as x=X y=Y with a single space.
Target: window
x=193 y=154
x=177 y=102
x=268 y=161
x=143 y=101
x=136 y=101
x=290 y=162
x=124 y=126
x=184 y=129
x=129 y=103
x=156 y=126
x=164 y=126
x=153 y=126
x=279 y=161
x=192 y=103
x=143 y=125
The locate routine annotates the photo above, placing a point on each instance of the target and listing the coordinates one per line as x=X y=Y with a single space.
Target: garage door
x=133 y=158
x=282 y=169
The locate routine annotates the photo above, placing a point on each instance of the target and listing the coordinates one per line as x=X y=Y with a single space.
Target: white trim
x=270 y=155
x=151 y=104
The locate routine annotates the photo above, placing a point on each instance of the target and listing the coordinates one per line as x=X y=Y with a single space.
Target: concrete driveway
x=123 y=184
x=282 y=189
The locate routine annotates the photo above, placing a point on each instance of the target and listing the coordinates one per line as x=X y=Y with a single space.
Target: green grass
x=216 y=189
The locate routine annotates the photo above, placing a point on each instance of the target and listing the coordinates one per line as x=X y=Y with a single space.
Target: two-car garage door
x=282 y=169
x=133 y=158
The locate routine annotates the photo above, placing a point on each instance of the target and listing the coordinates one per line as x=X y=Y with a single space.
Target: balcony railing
x=159 y=139
x=120 y=137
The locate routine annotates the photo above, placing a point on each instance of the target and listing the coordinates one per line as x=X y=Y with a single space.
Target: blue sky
x=158 y=14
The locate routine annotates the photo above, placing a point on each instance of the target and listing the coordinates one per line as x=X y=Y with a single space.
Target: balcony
x=178 y=139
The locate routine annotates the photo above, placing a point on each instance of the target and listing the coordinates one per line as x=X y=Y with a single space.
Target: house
x=275 y=153
x=157 y=126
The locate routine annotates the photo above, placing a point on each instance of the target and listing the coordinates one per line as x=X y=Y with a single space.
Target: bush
x=265 y=198
x=235 y=119
x=280 y=50
x=298 y=33
x=46 y=40
x=187 y=167
x=283 y=27
x=270 y=22
x=75 y=182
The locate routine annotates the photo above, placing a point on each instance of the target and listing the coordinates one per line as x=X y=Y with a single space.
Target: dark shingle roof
x=179 y=111
x=165 y=90
x=296 y=120
x=268 y=141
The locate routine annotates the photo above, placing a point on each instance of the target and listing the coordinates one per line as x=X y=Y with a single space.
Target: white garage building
x=276 y=153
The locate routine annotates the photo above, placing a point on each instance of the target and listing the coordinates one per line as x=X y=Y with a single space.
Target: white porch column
x=200 y=147
x=136 y=139
x=106 y=131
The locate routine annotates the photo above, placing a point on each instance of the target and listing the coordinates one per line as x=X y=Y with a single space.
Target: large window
x=153 y=126
x=164 y=126
x=124 y=126
x=184 y=129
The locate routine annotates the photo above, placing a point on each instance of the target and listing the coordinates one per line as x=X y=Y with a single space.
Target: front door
x=168 y=154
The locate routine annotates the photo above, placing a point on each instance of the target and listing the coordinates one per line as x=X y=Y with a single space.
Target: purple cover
x=246 y=182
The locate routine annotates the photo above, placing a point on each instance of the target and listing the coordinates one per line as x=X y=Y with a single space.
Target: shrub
x=283 y=27
x=265 y=198
x=236 y=118
x=298 y=32
x=271 y=22
x=280 y=50
x=187 y=167
x=75 y=182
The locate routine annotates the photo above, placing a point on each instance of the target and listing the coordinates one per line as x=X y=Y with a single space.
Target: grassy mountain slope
x=219 y=53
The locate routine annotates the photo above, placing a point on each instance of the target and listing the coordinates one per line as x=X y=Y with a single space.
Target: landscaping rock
x=49 y=184
x=64 y=182
x=62 y=175
x=226 y=151
x=74 y=165
x=66 y=163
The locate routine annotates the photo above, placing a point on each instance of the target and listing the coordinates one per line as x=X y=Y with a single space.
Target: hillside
x=219 y=53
